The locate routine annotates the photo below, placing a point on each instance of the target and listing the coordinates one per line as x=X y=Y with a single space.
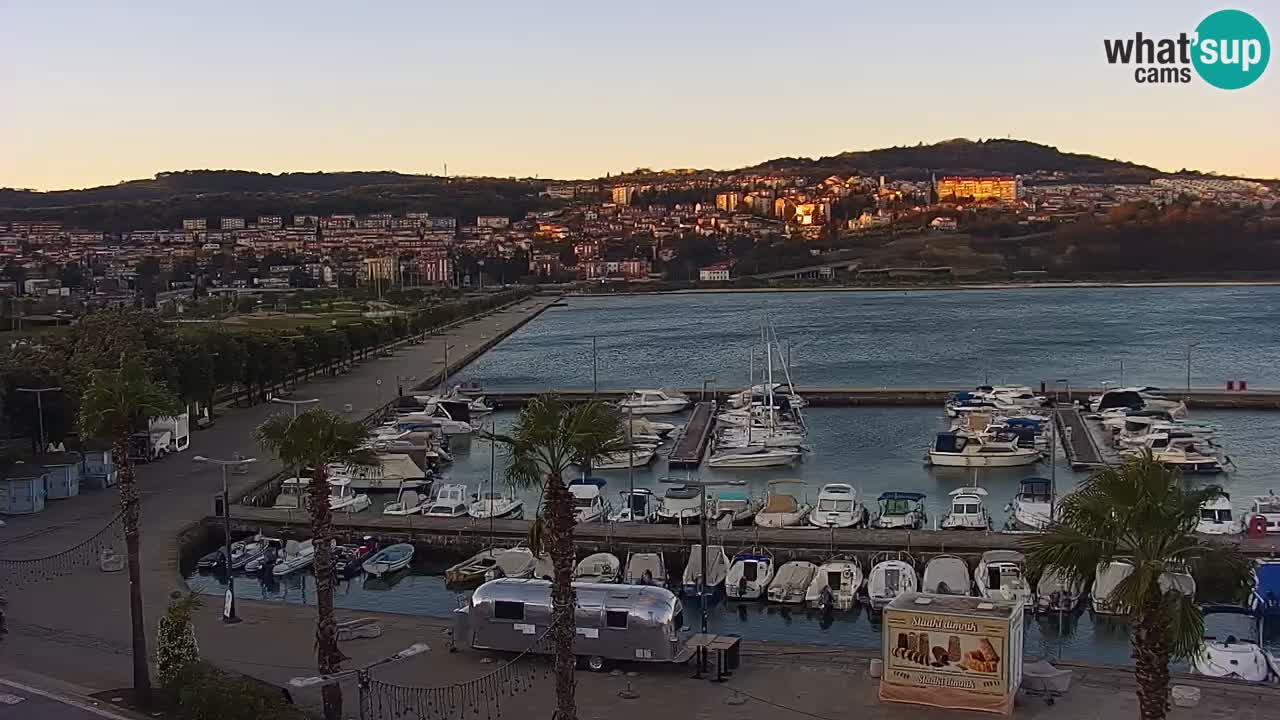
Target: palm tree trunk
x=560 y=522
x=1151 y=660
x=131 y=510
x=328 y=657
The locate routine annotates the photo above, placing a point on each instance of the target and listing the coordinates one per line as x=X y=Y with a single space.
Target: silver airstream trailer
x=613 y=622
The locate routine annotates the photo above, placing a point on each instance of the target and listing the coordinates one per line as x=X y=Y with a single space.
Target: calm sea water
x=918 y=338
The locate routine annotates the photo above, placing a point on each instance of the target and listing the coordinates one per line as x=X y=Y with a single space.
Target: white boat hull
x=1240 y=660
x=772 y=458
x=782 y=519
x=1024 y=456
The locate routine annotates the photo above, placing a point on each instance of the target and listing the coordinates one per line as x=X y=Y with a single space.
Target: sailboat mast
x=768 y=383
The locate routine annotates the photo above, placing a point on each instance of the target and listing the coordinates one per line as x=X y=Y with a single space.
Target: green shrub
x=203 y=692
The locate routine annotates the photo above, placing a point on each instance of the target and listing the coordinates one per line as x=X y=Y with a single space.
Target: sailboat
x=762 y=438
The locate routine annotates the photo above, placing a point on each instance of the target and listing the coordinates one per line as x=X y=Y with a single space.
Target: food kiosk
x=951 y=651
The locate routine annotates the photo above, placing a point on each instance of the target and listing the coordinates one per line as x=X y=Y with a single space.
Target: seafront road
x=75 y=628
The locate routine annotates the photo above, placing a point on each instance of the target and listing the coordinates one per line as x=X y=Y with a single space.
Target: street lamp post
x=39 y=393
x=360 y=674
x=229 y=608
x=702 y=486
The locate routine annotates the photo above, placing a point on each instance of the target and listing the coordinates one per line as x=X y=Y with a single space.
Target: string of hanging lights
x=89 y=553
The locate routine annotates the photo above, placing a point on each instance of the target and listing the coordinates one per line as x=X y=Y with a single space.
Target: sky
x=94 y=93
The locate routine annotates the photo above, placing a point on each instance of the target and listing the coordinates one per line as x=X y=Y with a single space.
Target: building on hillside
x=1005 y=188
x=622 y=194
x=496 y=222
x=195 y=224
x=728 y=201
x=269 y=222
x=231 y=223
x=378 y=269
x=718 y=272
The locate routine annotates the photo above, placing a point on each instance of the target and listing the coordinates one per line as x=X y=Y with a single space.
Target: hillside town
x=682 y=226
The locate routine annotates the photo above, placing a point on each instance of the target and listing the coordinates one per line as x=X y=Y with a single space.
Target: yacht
x=646 y=569
x=1182 y=450
x=777 y=437
x=1105 y=580
x=837 y=583
x=1001 y=575
x=1216 y=519
x=1226 y=655
x=749 y=575
x=1136 y=398
x=589 y=504
x=901 y=510
x=839 y=506
x=782 y=509
x=729 y=508
x=598 y=568
x=638 y=505
x=946 y=575
x=791 y=581
x=753 y=457
x=681 y=504
x=450 y=418
x=1265 y=511
x=342 y=499
x=450 y=502
x=1032 y=506
x=1056 y=592
x=496 y=505
x=654 y=402
x=637 y=456
x=891 y=575
x=967 y=511
x=410 y=500
x=717 y=568
x=959 y=449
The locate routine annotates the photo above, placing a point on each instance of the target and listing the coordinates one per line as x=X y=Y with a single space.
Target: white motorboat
x=589 y=504
x=1033 y=505
x=638 y=505
x=450 y=502
x=390 y=471
x=442 y=416
x=749 y=575
x=389 y=559
x=681 y=504
x=778 y=437
x=729 y=508
x=516 y=562
x=637 y=456
x=1216 y=519
x=1001 y=575
x=409 y=501
x=891 y=575
x=1136 y=398
x=496 y=505
x=946 y=575
x=967 y=511
x=246 y=551
x=791 y=581
x=717 y=568
x=839 y=506
x=644 y=429
x=1267 y=508
x=835 y=584
x=1105 y=580
x=1056 y=593
x=342 y=499
x=296 y=556
x=1183 y=451
x=1180 y=580
x=654 y=402
x=476 y=403
x=957 y=449
x=756 y=395
x=753 y=456
x=901 y=510
x=293 y=494
x=598 y=568
x=1237 y=657
x=782 y=509
x=646 y=569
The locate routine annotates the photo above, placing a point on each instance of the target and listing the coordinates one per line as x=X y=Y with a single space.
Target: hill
x=968 y=157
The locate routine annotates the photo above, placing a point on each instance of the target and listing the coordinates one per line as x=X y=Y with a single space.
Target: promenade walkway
x=77 y=627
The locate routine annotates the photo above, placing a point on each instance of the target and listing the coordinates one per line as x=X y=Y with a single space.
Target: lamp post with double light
x=229 y=607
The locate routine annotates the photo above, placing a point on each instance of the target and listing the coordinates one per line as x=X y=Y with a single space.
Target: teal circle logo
x=1232 y=49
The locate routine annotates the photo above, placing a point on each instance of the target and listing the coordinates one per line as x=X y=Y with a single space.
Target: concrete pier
x=692 y=443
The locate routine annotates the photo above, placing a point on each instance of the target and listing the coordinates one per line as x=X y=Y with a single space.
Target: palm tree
x=1140 y=513
x=118 y=403
x=314 y=439
x=548 y=436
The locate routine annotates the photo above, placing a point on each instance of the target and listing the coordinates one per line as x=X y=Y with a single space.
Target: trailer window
x=616 y=619
x=507 y=610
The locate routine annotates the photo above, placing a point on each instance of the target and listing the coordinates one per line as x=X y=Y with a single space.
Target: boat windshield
x=582 y=502
x=834 y=505
x=1215 y=515
x=897 y=506
x=965 y=508
x=1269 y=506
x=639 y=504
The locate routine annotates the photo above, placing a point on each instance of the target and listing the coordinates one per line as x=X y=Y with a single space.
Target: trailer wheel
x=595 y=663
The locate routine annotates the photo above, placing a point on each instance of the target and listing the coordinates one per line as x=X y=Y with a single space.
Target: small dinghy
x=1055 y=593
x=717 y=569
x=389 y=559
x=946 y=575
x=297 y=555
x=266 y=561
x=646 y=569
x=749 y=575
x=516 y=562
x=247 y=550
x=835 y=585
x=791 y=581
x=472 y=570
x=598 y=568
x=347 y=559
x=891 y=575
